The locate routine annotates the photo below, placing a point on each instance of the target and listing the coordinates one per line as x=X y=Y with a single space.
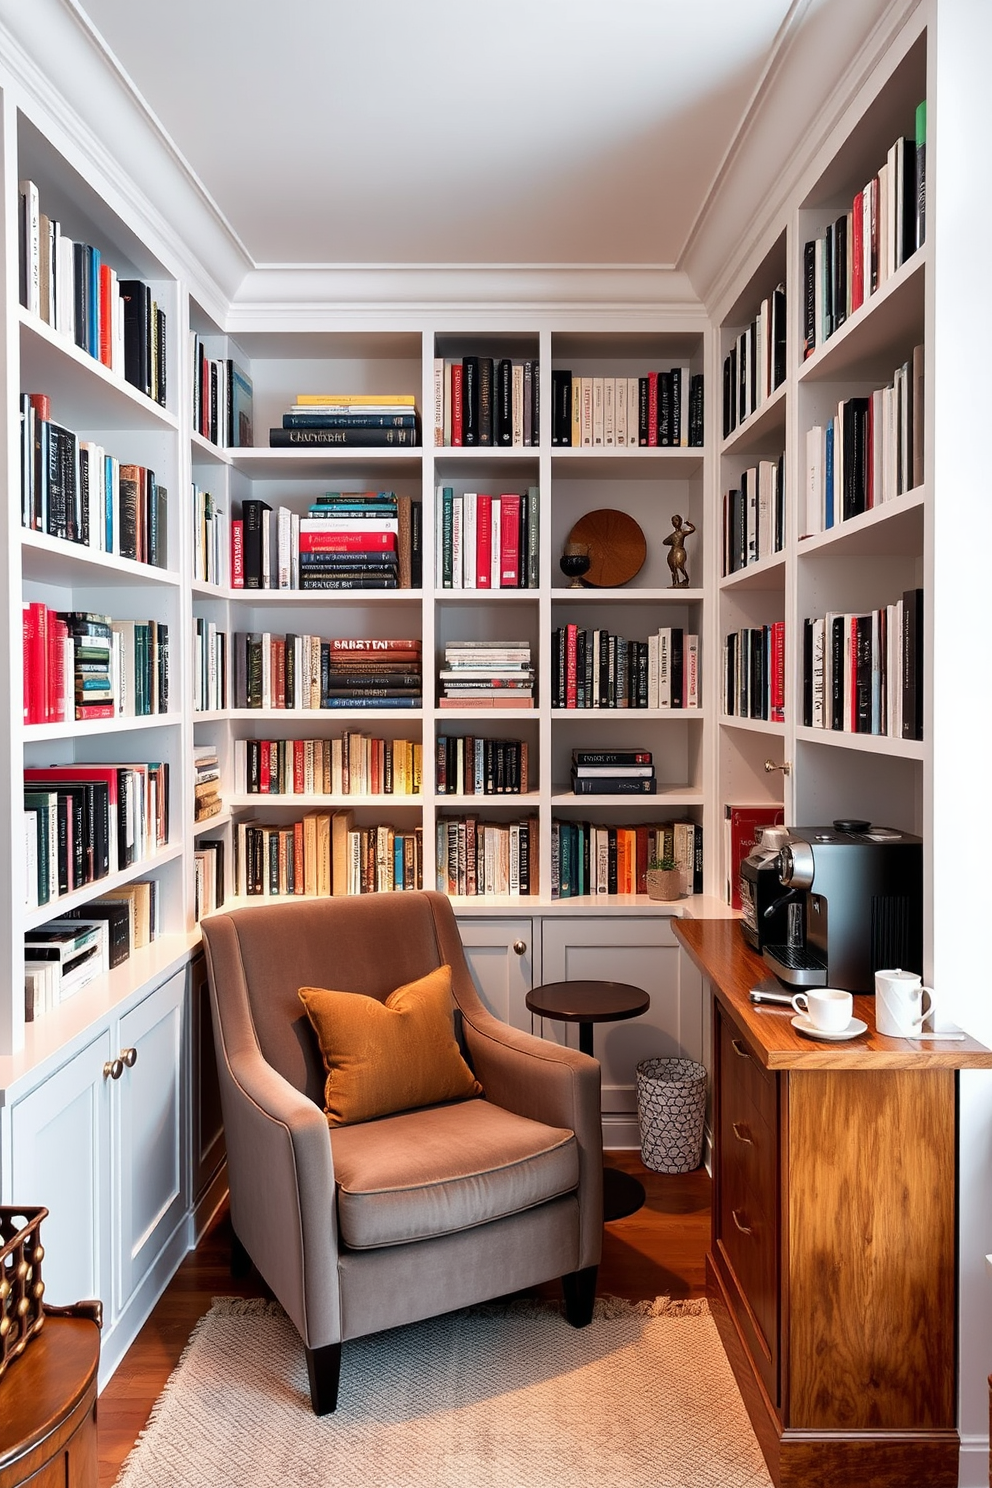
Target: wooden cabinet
x=832 y=1270
x=48 y=1409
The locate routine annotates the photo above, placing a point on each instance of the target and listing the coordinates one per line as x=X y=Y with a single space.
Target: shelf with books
x=100 y=397
x=626 y=391
x=486 y=541
x=765 y=426
x=896 y=527
x=753 y=349
x=485 y=392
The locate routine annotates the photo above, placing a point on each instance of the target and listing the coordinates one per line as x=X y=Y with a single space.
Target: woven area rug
x=507 y=1396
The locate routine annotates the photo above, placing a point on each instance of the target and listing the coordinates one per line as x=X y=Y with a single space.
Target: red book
x=778 y=672
x=94 y=710
x=237 y=554
x=509 y=551
x=36 y=653
x=371 y=540
x=298 y=877
x=652 y=408
x=571 y=646
x=58 y=695
x=457 y=402
x=299 y=765
x=741 y=825
x=42 y=405
x=373 y=645
x=264 y=757
x=278 y=674
x=106 y=315
x=375 y=768
x=858 y=252
x=483 y=541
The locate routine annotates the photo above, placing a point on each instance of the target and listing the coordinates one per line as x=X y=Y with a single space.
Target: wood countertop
x=719 y=950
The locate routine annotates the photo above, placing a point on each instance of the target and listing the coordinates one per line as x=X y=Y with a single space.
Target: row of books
x=206 y=782
x=613 y=772
x=83 y=822
x=345 y=540
x=587 y=858
x=370 y=420
x=755 y=364
x=208 y=877
x=486 y=542
x=863 y=673
x=869 y=453
x=754 y=672
x=754 y=516
x=661 y=408
x=73 y=289
x=475 y=857
x=211 y=539
x=468 y=766
x=304 y=671
x=210 y=666
x=487 y=674
x=597 y=669
x=63 y=955
x=481 y=400
x=353 y=764
x=72 y=489
x=98 y=667
x=856 y=253
x=222 y=398
x=326 y=853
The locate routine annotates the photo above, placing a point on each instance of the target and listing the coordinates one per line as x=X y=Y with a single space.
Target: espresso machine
x=852 y=895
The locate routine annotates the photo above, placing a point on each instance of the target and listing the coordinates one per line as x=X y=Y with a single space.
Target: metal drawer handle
x=113 y=1069
x=520 y=946
x=739 y=1049
x=744 y=1229
x=742 y=1134
x=130 y=1057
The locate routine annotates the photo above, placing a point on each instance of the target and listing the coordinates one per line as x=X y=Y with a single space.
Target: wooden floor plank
x=660 y=1249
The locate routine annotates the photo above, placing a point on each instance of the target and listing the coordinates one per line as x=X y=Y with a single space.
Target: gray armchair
x=364 y=1227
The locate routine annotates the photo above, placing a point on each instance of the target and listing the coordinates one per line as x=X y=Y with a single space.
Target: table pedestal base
x=623 y=1194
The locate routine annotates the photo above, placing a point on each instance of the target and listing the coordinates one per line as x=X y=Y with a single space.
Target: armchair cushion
x=432 y=1172
x=396 y=1055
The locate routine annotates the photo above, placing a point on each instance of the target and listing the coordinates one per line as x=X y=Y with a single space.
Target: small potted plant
x=663 y=879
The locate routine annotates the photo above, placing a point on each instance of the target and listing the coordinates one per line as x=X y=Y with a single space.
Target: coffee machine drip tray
x=797 y=966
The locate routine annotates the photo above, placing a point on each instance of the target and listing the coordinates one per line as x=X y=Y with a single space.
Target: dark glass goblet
x=574 y=562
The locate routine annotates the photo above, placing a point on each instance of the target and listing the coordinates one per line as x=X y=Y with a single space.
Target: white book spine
x=470 y=538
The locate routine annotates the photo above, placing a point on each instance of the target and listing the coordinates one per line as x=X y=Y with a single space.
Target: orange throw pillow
x=383 y=1057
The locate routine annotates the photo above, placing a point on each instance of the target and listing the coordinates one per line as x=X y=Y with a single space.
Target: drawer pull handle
x=739 y=1049
x=520 y=946
x=130 y=1056
x=113 y=1069
x=742 y=1134
x=744 y=1229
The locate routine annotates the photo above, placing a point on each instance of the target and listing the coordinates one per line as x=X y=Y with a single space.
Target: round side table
x=587 y=1003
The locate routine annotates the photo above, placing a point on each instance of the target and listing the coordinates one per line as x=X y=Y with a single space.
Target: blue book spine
x=398 y=863
x=93 y=333
x=108 y=502
x=828 y=477
x=349 y=420
x=364 y=702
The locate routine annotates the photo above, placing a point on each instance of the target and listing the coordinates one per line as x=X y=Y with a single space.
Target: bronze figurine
x=675 y=543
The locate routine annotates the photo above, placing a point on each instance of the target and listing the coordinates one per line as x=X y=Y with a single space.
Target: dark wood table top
x=43 y=1386
x=588 y=1002
x=719 y=950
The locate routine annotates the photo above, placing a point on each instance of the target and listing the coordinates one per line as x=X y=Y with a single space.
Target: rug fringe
x=606 y=1308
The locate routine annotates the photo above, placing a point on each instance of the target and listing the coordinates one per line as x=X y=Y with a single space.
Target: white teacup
x=827 y=1008
x=902 y=1003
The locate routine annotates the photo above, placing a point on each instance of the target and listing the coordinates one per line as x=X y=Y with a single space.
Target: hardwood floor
x=660 y=1249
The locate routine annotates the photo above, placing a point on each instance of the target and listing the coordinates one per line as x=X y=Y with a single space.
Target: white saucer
x=803 y=1025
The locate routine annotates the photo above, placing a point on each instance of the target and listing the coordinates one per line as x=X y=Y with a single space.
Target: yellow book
x=323 y=852
x=354 y=400
x=310 y=853
x=342 y=823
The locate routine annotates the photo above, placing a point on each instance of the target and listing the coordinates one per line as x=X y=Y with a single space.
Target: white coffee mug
x=827 y=1008
x=902 y=1003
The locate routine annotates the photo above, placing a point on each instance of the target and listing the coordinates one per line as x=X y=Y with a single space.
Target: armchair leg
x=324 y=1371
x=579 y=1289
x=241 y=1261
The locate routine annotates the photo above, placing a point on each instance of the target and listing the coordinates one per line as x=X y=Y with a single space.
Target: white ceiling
x=450 y=131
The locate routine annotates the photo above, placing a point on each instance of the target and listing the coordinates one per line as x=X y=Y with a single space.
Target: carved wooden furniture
x=48 y=1408
x=832 y=1270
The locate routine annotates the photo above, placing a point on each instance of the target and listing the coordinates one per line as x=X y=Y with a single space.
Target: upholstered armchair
x=369 y=1225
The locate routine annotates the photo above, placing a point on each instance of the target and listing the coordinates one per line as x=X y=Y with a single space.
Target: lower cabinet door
x=642 y=952
x=60 y=1141
x=207 y=1121
x=150 y=1131
x=500 y=956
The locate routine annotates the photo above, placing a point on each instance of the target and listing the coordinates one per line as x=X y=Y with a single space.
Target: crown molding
x=303 y=296
x=826 y=53
x=60 y=73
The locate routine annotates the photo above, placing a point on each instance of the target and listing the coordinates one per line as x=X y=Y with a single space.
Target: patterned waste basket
x=671 y=1105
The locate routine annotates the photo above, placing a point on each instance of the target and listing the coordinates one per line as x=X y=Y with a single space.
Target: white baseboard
x=973 y=1462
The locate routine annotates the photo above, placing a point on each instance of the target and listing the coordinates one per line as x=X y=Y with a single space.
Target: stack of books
x=354 y=764
x=326 y=853
x=206 y=788
x=116 y=668
x=210 y=666
x=478 y=857
x=467 y=766
x=487 y=674
x=345 y=540
x=59 y=959
x=351 y=420
x=613 y=772
x=597 y=669
x=304 y=671
x=480 y=400
x=660 y=408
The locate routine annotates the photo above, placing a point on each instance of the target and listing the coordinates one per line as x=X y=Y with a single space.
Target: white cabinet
x=206 y=1121
x=61 y=1157
x=643 y=952
x=501 y=957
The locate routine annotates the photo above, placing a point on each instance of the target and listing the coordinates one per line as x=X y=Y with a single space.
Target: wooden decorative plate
x=616 y=547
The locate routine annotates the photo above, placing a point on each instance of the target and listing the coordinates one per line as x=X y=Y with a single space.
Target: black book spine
x=809 y=298
x=912 y=665
x=58 y=524
x=808 y=673
x=778 y=332
x=561 y=410
x=253 y=515
x=486 y=400
x=503 y=409
x=416 y=545
x=862 y=675
x=136 y=297
x=535 y=400
x=728 y=400
x=80 y=295
x=836 y=699
x=346 y=438
x=677 y=666
x=162 y=356
x=840 y=272
x=696 y=411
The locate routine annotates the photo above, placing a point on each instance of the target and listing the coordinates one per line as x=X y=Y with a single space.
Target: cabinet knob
x=739 y=1049
x=130 y=1057
x=520 y=946
x=113 y=1069
x=742 y=1134
x=744 y=1229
